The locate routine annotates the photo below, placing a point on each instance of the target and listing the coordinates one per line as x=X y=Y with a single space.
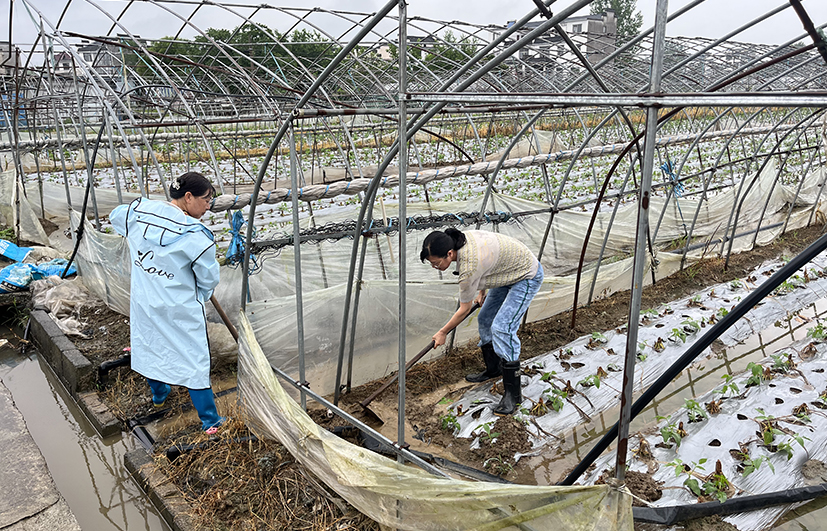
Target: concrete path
x=29 y=500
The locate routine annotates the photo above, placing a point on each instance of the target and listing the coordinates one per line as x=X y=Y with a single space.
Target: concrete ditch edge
x=162 y=493
x=75 y=372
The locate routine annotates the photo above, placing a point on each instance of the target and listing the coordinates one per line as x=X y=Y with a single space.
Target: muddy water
x=87 y=470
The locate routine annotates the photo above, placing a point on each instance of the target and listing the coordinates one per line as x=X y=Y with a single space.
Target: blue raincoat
x=174 y=271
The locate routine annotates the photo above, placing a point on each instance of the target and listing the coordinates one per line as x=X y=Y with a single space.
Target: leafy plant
x=722 y=312
x=488 y=435
x=555 y=398
x=7 y=233
x=694 y=410
x=449 y=421
x=691 y=325
x=682 y=468
x=752 y=464
x=729 y=386
x=736 y=284
x=782 y=363
x=716 y=484
x=676 y=334
x=590 y=380
x=498 y=466
x=670 y=432
x=651 y=313
x=817 y=332
x=756 y=374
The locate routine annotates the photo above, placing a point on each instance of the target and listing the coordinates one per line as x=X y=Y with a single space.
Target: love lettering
x=151 y=269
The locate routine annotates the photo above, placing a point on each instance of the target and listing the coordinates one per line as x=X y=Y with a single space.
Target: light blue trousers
x=502 y=312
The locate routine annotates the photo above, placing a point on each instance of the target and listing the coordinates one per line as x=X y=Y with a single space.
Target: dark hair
x=192 y=182
x=439 y=243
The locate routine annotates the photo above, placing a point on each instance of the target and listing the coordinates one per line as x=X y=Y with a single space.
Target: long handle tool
x=364 y=403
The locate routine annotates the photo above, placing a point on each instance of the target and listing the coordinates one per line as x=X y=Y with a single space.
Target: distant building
x=594 y=35
x=9 y=58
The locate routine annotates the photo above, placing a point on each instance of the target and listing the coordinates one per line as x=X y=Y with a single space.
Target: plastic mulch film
x=404 y=497
x=11 y=216
x=764 y=435
x=567 y=387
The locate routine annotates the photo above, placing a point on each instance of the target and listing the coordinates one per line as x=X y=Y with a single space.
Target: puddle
x=87 y=470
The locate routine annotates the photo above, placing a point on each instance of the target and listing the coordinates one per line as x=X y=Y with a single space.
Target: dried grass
x=248 y=485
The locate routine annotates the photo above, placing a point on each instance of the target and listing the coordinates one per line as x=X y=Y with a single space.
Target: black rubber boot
x=512 y=392
x=492 y=365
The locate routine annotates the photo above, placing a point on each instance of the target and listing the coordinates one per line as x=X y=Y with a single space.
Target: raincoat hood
x=162 y=225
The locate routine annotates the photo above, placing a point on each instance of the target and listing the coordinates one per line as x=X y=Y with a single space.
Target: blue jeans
x=502 y=312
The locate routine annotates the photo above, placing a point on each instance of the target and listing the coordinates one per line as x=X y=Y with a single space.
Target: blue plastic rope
x=235 y=252
x=677 y=189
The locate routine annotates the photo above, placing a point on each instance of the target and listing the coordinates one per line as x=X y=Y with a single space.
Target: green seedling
x=555 y=398
x=691 y=325
x=782 y=362
x=682 y=468
x=736 y=284
x=722 y=312
x=488 y=435
x=651 y=313
x=676 y=334
x=717 y=485
x=449 y=421
x=497 y=466
x=670 y=432
x=695 y=300
x=694 y=410
x=729 y=386
x=756 y=374
x=596 y=340
x=591 y=380
x=752 y=464
x=817 y=333
x=547 y=376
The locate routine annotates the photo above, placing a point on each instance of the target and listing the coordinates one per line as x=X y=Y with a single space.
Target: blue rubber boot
x=160 y=392
x=204 y=403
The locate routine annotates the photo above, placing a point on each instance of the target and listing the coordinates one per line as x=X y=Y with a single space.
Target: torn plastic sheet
x=789 y=406
x=405 y=497
x=568 y=378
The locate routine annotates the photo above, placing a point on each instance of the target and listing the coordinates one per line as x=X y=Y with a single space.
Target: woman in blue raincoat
x=174 y=272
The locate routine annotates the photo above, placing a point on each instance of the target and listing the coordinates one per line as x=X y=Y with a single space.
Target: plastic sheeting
x=431 y=299
x=403 y=497
x=659 y=345
x=63 y=299
x=19 y=214
x=737 y=428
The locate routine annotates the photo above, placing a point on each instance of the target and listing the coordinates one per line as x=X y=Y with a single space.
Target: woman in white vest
x=511 y=275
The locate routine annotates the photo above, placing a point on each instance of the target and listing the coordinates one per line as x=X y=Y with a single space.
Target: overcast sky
x=713 y=18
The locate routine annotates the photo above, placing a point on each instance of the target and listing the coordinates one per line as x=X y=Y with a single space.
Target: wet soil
x=427 y=384
x=641 y=485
